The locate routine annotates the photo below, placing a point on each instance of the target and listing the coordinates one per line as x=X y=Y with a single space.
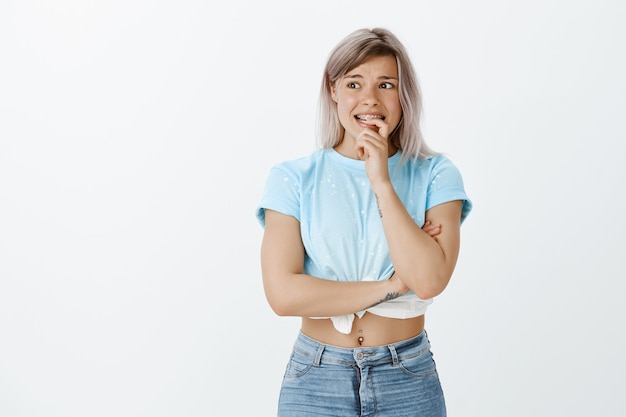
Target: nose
x=370 y=95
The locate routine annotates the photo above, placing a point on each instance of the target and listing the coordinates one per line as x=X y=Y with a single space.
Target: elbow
x=280 y=305
x=280 y=309
x=431 y=286
x=276 y=291
x=427 y=293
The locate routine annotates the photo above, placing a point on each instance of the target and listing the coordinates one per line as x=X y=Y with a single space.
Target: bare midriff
x=369 y=330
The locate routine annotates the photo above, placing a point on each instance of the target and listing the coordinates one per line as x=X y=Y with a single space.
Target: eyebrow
x=382 y=77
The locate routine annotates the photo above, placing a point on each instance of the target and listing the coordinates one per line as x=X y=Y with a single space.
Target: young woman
x=359 y=237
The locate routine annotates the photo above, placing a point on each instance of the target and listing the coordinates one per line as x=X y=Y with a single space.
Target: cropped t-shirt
x=331 y=197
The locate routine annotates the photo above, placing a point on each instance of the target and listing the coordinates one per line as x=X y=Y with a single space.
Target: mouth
x=368 y=117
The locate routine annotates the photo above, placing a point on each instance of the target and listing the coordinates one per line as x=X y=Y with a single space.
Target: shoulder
x=429 y=166
x=431 y=162
x=446 y=184
x=439 y=165
x=300 y=166
x=283 y=187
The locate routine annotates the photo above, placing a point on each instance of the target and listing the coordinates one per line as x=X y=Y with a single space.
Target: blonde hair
x=354 y=50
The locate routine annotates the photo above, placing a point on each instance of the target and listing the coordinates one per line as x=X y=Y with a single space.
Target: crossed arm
x=423 y=260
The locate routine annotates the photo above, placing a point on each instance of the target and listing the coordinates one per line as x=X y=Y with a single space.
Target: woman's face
x=366 y=92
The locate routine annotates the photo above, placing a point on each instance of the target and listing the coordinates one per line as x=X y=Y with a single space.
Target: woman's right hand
x=398 y=287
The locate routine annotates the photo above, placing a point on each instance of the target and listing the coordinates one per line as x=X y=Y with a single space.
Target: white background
x=135 y=139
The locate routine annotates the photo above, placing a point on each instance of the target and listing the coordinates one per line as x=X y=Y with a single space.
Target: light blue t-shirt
x=339 y=221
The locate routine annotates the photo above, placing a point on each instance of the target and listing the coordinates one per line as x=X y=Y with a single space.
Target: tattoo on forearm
x=380 y=213
x=389 y=296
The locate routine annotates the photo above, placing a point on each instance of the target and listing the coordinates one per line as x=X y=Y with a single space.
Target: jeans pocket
x=420 y=365
x=298 y=365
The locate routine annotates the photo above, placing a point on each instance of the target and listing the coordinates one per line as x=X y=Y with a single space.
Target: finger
x=436 y=231
x=370 y=148
x=432 y=229
x=381 y=125
x=371 y=140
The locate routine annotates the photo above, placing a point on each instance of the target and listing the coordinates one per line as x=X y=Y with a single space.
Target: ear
x=333 y=93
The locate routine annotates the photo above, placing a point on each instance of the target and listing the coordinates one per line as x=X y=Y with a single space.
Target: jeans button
x=359 y=355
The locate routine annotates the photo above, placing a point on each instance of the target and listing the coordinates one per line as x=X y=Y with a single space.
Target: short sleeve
x=282 y=194
x=446 y=184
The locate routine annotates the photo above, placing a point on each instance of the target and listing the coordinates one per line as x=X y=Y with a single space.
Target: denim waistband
x=322 y=353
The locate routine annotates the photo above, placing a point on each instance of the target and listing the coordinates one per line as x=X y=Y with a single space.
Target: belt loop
x=318 y=355
x=394 y=355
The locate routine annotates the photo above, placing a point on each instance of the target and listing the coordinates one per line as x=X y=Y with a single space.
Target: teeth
x=368 y=117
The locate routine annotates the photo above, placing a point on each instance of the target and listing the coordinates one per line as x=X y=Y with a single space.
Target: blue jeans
x=398 y=380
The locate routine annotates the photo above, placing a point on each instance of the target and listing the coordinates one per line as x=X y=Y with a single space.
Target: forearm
x=306 y=296
x=418 y=259
x=290 y=292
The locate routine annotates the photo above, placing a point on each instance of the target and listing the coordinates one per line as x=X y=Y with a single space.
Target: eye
x=386 y=86
x=353 y=85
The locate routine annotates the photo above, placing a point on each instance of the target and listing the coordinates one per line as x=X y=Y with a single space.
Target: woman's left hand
x=372 y=146
x=432 y=229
